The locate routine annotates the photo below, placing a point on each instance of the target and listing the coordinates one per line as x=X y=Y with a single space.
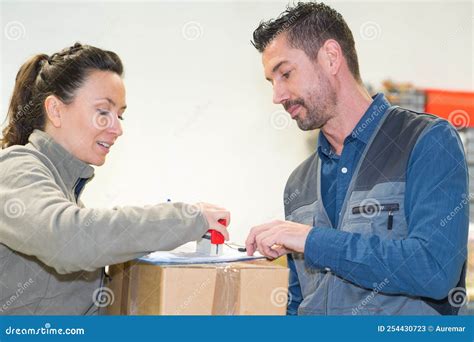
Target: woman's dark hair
x=308 y=25
x=60 y=74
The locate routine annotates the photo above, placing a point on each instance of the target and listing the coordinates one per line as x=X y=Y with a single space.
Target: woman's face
x=90 y=124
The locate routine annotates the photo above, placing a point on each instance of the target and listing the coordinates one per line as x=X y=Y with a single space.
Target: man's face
x=299 y=84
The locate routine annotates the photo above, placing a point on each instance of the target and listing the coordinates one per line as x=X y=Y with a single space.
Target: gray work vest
x=374 y=204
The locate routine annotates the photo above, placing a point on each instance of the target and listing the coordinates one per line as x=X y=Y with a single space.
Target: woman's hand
x=213 y=214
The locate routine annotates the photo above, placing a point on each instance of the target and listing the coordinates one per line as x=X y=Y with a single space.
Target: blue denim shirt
x=436 y=187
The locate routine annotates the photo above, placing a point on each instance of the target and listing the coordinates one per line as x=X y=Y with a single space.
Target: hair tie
x=50 y=59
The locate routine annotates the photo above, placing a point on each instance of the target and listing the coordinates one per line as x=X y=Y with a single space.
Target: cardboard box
x=258 y=287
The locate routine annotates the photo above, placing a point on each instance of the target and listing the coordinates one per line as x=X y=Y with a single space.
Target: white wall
x=200 y=123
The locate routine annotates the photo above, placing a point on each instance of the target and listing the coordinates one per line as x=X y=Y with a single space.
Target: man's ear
x=53 y=106
x=332 y=56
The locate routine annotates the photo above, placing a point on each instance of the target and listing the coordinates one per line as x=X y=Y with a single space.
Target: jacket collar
x=69 y=167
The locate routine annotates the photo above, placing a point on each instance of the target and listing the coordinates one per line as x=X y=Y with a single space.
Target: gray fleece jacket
x=52 y=249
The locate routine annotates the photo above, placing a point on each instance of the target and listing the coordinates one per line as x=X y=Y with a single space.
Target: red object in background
x=455 y=106
x=216 y=237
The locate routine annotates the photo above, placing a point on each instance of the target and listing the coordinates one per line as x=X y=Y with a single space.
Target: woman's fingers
x=213 y=215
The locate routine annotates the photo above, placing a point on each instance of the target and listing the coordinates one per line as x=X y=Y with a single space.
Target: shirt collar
x=69 y=167
x=324 y=148
x=364 y=128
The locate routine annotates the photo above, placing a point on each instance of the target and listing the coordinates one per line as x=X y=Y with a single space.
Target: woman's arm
x=70 y=238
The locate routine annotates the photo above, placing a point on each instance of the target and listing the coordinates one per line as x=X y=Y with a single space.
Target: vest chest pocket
x=385 y=219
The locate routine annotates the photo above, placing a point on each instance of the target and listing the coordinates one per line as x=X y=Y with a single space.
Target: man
x=377 y=217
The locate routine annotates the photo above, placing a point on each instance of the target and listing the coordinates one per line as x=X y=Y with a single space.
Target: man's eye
x=286 y=74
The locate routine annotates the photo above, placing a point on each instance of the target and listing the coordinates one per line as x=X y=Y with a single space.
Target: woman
x=64 y=116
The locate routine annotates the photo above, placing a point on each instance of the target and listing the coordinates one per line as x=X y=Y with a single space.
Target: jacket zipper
x=329 y=278
x=390 y=220
x=370 y=209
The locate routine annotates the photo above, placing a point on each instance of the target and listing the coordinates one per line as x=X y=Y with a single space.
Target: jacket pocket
x=374 y=209
x=386 y=217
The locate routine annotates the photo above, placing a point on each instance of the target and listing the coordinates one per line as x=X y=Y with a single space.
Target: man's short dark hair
x=308 y=25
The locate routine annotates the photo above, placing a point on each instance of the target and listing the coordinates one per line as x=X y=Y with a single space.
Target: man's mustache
x=290 y=103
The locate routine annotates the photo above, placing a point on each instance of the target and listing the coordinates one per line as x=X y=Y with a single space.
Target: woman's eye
x=286 y=75
x=106 y=112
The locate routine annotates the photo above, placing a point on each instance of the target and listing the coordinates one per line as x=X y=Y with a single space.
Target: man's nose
x=280 y=94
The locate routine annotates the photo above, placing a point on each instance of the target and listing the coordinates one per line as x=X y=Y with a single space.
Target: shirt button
x=344 y=170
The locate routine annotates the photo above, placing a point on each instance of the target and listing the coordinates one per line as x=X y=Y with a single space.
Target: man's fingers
x=288 y=236
x=272 y=255
x=251 y=248
x=269 y=252
x=257 y=230
x=280 y=250
x=267 y=239
x=251 y=243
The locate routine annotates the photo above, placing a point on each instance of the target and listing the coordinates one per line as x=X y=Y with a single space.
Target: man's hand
x=276 y=238
x=213 y=214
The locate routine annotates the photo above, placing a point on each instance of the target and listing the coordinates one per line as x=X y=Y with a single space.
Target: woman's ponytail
x=25 y=112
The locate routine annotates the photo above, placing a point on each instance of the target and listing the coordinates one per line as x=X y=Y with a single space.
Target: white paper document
x=186 y=254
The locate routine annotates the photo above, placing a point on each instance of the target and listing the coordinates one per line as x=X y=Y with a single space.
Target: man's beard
x=319 y=108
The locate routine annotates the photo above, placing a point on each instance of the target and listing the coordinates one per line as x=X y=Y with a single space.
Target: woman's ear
x=52 y=106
